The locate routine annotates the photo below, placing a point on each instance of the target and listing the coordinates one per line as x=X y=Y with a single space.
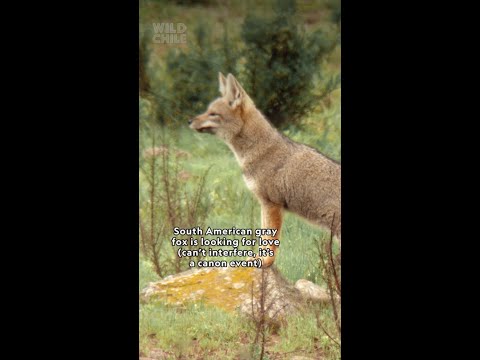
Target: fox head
x=225 y=116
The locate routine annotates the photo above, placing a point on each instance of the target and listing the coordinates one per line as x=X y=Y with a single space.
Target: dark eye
x=212 y=114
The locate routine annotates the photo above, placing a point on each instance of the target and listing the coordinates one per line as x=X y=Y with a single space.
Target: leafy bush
x=281 y=63
x=194 y=73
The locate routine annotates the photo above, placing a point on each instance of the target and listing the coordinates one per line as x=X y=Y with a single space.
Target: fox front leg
x=271 y=219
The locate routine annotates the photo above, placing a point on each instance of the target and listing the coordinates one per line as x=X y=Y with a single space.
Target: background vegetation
x=287 y=56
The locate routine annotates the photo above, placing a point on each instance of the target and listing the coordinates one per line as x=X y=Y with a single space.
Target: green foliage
x=181 y=2
x=194 y=73
x=193 y=2
x=281 y=63
x=278 y=62
x=336 y=10
x=144 y=55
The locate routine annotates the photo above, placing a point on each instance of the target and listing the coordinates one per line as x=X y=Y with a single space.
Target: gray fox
x=281 y=173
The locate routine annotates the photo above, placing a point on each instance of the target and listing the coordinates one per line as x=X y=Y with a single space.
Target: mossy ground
x=221 y=288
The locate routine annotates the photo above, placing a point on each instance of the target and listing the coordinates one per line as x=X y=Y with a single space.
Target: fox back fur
x=281 y=173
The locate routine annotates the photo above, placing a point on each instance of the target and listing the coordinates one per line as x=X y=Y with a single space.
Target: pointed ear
x=222 y=84
x=234 y=92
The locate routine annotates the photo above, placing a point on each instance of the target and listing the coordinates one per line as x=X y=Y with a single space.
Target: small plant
x=172 y=199
x=330 y=266
x=263 y=314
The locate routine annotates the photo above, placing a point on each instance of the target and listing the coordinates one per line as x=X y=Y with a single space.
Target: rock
x=157 y=354
x=230 y=289
x=279 y=298
x=312 y=292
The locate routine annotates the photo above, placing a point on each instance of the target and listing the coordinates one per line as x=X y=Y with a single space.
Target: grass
x=302 y=334
x=201 y=332
x=207 y=337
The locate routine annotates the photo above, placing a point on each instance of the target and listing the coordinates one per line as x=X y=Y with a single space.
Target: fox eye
x=212 y=114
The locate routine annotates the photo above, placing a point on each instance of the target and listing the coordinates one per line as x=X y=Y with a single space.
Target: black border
x=82 y=169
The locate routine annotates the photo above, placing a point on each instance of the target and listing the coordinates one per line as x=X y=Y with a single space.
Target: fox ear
x=222 y=84
x=234 y=92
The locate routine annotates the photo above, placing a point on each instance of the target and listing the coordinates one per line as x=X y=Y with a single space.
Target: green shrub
x=281 y=63
x=194 y=73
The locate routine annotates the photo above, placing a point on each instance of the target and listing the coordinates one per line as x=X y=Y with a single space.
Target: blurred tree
x=229 y=52
x=281 y=63
x=194 y=72
x=194 y=2
x=143 y=54
x=336 y=10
